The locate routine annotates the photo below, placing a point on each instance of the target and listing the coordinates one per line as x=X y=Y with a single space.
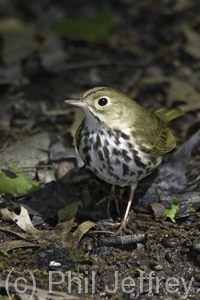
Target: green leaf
x=1 y=266
x=139 y=270
x=68 y=212
x=14 y=182
x=4 y=253
x=171 y=213
x=90 y=27
x=80 y=256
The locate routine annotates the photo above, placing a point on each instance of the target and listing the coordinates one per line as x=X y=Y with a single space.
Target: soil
x=149 y=52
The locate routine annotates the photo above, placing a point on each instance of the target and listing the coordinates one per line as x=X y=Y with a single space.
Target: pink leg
x=124 y=220
x=109 y=198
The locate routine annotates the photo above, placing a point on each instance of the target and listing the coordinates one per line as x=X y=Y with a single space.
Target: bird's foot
x=111 y=197
x=122 y=227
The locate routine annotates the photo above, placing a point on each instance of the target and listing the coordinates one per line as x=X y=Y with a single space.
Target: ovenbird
x=119 y=140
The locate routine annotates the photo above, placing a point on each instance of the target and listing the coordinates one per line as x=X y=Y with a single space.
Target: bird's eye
x=103 y=101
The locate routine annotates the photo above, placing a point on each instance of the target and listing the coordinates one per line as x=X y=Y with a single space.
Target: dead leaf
x=61 y=233
x=78 y=118
x=68 y=239
x=19 y=234
x=68 y=212
x=159 y=7
x=192 y=46
x=22 y=220
x=39 y=294
x=158 y=209
x=155 y=80
x=7 y=246
x=181 y=5
x=80 y=231
x=181 y=91
x=11 y=25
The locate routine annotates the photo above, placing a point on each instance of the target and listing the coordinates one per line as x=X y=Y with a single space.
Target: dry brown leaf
x=181 y=91
x=68 y=212
x=80 y=231
x=192 y=46
x=157 y=6
x=181 y=5
x=158 y=209
x=7 y=246
x=39 y=294
x=22 y=220
x=68 y=239
x=56 y=112
x=19 y=234
x=11 y=25
x=178 y=91
x=78 y=118
x=74 y=238
x=61 y=233
x=155 y=80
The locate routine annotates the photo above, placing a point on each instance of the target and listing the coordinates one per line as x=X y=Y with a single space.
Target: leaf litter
x=61 y=233
x=107 y=259
x=181 y=93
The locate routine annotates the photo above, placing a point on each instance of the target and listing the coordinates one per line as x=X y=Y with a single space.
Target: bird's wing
x=164 y=140
x=167 y=114
x=153 y=133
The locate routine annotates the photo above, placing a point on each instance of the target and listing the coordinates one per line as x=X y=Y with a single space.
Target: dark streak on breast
x=145 y=149
x=97 y=144
x=125 y=155
x=139 y=162
x=115 y=152
x=140 y=172
x=117 y=161
x=132 y=173
x=125 y=136
x=86 y=149
x=106 y=151
x=100 y=154
x=88 y=160
x=125 y=169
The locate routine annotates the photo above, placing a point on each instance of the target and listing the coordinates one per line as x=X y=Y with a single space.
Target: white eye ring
x=103 y=101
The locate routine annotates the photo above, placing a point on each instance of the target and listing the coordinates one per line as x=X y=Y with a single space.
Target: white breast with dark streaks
x=113 y=158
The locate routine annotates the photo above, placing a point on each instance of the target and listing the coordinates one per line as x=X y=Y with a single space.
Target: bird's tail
x=167 y=114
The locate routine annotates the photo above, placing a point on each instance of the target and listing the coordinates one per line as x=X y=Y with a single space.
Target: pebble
x=197 y=277
x=156 y=266
x=63 y=168
x=170 y=242
x=196 y=245
x=27 y=153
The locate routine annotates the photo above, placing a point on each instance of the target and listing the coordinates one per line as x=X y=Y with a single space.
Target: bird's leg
x=124 y=220
x=109 y=198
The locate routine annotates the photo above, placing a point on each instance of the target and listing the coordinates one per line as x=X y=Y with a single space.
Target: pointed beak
x=76 y=103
